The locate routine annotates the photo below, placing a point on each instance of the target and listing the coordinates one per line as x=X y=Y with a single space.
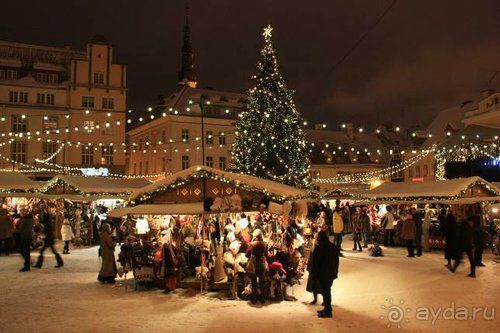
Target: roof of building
x=448 y=119
x=91 y=185
x=16 y=181
x=41 y=53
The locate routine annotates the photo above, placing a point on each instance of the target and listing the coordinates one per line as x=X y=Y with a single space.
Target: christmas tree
x=269 y=140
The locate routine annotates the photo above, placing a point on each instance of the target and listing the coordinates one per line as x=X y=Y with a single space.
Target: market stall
x=199 y=224
x=433 y=196
x=86 y=200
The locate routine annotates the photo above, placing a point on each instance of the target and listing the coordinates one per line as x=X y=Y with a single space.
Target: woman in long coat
x=108 y=271
x=450 y=230
x=312 y=282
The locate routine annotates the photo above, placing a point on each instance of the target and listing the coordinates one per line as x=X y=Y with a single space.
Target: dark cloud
x=424 y=56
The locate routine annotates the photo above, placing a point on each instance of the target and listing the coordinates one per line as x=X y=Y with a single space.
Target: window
x=45 y=99
x=49 y=149
x=108 y=103
x=50 y=123
x=47 y=77
x=107 y=154
x=410 y=172
x=222 y=138
x=163 y=164
x=18 y=150
x=88 y=101
x=185 y=135
x=18 y=97
x=146 y=168
x=209 y=161
x=417 y=171
x=140 y=168
x=209 y=139
x=163 y=136
x=19 y=123
x=87 y=155
x=185 y=162
x=135 y=169
x=8 y=74
x=154 y=166
x=89 y=126
x=222 y=163
x=98 y=78
x=426 y=170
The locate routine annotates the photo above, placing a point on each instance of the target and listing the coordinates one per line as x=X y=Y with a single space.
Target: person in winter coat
x=387 y=224
x=408 y=233
x=426 y=226
x=338 y=228
x=364 y=222
x=450 y=230
x=418 y=230
x=26 y=234
x=257 y=251
x=478 y=242
x=67 y=235
x=49 y=229
x=313 y=285
x=356 y=230
x=325 y=268
x=108 y=271
x=6 y=231
x=465 y=244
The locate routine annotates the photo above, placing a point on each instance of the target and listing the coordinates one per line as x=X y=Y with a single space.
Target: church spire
x=187 y=75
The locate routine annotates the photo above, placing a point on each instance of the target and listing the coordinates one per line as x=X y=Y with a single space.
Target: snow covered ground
x=71 y=300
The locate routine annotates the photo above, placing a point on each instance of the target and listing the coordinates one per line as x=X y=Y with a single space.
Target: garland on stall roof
x=205 y=174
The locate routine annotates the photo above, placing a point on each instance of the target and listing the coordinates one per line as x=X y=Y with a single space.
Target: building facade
x=62 y=107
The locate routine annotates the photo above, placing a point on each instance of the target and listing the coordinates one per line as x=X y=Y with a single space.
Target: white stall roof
x=89 y=185
x=165 y=209
x=16 y=181
x=428 y=189
x=264 y=185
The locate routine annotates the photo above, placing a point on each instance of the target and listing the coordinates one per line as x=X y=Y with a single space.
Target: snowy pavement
x=71 y=300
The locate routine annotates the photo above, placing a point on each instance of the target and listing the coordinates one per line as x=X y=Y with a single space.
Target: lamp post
x=203 y=100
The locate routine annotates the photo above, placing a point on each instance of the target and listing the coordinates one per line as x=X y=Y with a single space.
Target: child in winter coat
x=67 y=235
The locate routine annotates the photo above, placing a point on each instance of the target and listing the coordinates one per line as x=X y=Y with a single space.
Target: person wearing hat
x=6 y=230
x=108 y=271
x=25 y=235
x=257 y=252
x=67 y=235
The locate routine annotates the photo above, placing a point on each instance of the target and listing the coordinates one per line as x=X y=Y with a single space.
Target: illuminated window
x=89 y=126
x=185 y=135
x=146 y=168
x=222 y=138
x=107 y=154
x=163 y=164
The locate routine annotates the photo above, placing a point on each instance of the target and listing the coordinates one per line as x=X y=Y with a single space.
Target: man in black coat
x=50 y=235
x=478 y=242
x=466 y=244
x=325 y=269
x=450 y=230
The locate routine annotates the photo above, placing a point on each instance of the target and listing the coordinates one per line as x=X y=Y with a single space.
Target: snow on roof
x=90 y=185
x=264 y=185
x=181 y=97
x=10 y=62
x=448 y=117
x=16 y=181
x=170 y=209
x=430 y=189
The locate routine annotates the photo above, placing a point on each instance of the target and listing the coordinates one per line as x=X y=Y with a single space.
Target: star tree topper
x=267 y=31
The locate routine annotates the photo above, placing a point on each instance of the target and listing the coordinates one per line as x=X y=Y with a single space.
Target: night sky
x=425 y=55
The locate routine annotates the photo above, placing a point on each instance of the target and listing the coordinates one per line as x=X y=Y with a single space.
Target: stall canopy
x=172 y=209
x=91 y=188
x=461 y=190
x=229 y=191
x=17 y=184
